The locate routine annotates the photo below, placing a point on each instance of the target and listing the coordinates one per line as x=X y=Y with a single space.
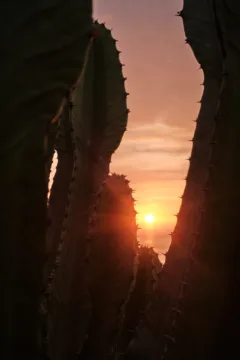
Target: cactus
x=56 y=211
x=98 y=114
x=146 y=280
x=210 y=303
x=202 y=36
x=112 y=266
x=42 y=44
x=141 y=310
x=164 y=315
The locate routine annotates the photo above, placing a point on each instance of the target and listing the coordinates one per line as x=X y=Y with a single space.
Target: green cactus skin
x=112 y=264
x=146 y=280
x=42 y=47
x=99 y=118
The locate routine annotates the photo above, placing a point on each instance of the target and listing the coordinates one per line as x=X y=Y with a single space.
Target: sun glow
x=149 y=218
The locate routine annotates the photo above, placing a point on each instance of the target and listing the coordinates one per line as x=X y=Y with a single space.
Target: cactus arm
x=41 y=60
x=113 y=250
x=91 y=138
x=111 y=113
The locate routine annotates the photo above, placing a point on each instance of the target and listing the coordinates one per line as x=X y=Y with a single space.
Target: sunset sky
x=164 y=85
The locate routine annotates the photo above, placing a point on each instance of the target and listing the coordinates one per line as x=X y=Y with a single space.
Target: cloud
x=146 y=175
x=154 y=150
x=153 y=156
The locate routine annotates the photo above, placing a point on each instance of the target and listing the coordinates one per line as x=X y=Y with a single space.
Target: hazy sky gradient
x=164 y=85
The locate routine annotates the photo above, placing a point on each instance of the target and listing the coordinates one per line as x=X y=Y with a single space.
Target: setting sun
x=149 y=218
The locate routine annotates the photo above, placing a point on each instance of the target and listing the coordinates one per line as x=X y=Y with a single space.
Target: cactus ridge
x=65 y=177
x=65 y=148
x=60 y=188
x=64 y=253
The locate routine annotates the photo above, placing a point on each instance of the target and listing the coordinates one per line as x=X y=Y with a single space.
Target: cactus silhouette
x=61 y=183
x=43 y=46
x=183 y=309
x=113 y=257
x=146 y=281
x=104 y=296
x=98 y=115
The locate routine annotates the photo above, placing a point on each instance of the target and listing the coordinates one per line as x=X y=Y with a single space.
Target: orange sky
x=164 y=85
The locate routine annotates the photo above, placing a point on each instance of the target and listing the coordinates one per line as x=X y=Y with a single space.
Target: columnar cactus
x=43 y=44
x=163 y=317
x=112 y=265
x=209 y=304
x=98 y=114
x=180 y=268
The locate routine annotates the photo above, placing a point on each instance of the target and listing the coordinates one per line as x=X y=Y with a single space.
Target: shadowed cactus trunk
x=42 y=48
